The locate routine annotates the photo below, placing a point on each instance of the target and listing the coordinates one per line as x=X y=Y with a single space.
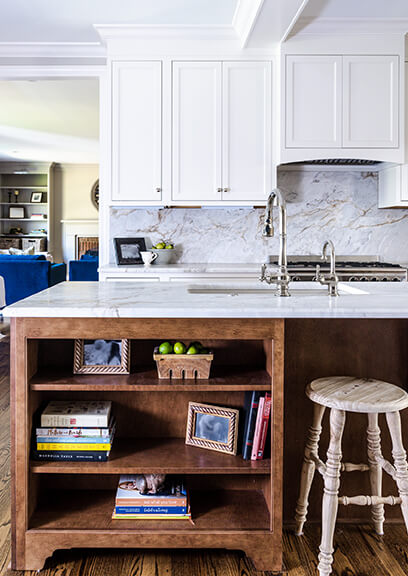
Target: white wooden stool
x=347 y=394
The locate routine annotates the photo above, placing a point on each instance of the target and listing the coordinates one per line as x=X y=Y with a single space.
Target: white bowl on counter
x=164 y=255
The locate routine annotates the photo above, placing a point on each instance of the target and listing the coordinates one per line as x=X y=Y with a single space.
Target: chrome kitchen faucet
x=281 y=279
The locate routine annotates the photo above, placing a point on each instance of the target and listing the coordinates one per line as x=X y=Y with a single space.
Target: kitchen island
x=260 y=342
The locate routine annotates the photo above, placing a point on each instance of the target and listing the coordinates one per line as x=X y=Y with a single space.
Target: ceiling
x=73 y=20
x=50 y=120
x=369 y=9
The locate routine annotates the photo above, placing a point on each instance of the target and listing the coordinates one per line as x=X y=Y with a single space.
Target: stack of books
x=75 y=431
x=170 y=503
x=257 y=415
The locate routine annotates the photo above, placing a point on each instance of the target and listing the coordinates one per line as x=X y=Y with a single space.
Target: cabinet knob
x=219 y=190
x=226 y=190
x=158 y=190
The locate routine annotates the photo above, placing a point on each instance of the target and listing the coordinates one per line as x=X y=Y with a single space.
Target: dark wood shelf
x=159 y=455
x=91 y=510
x=222 y=378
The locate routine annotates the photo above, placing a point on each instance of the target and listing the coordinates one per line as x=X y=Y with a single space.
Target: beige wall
x=72 y=197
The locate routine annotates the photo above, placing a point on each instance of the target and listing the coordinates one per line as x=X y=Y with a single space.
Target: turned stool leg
x=309 y=467
x=374 y=452
x=400 y=461
x=331 y=491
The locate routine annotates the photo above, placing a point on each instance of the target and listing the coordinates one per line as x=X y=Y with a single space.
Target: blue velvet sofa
x=26 y=275
x=85 y=269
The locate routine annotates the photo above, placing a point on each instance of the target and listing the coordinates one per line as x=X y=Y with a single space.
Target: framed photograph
x=212 y=427
x=16 y=212
x=36 y=197
x=102 y=357
x=128 y=250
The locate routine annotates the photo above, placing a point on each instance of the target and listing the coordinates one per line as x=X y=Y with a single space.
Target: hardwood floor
x=359 y=552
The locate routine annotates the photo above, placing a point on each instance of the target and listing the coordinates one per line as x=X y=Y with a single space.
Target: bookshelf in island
x=235 y=503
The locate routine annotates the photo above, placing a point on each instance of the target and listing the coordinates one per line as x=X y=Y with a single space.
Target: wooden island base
x=235 y=504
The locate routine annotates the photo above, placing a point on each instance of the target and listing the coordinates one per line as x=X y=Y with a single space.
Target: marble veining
x=341 y=206
x=167 y=300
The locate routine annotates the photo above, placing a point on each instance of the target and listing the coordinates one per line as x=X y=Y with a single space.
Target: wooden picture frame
x=36 y=197
x=128 y=250
x=16 y=212
x=108 y=352
x=212 y=427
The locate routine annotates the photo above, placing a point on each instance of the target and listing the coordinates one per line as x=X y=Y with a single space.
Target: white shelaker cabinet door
x=137 y=131
x=370 y=96
x=247 y=132
x=313 y=101
x=197 y=131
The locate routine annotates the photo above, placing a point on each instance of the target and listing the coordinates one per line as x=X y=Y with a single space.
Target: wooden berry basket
x=179 y=366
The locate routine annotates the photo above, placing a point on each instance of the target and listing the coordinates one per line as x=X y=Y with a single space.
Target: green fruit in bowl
x=196 y=344
x=179 y=348
x=193 y=350
x=204 y=351
x=160 y=246
x=165 y=348
x=169 y=247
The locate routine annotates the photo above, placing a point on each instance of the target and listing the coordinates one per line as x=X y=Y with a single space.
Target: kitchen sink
x=295 y=289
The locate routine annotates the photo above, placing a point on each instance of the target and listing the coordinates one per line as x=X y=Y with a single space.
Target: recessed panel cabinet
x=349 y=105
x=136 y=131
x=221 y=131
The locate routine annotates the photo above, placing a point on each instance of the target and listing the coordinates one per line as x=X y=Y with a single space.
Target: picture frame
x=101 y=356
x=212 y=427
x=16 y=212
x=36 y=197
x=128 y=250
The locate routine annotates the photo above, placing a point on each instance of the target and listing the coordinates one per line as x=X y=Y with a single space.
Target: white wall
x=72 y=197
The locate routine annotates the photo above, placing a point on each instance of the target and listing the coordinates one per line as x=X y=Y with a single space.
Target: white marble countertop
x=256 y=300
x=194 y=268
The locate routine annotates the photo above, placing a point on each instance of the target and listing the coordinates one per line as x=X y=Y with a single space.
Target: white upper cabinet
x=221 y=151
x=371 y=99
x=246 y=133
x=137 y=132
x=341 y=106
x=196 y=153
x=313 y=101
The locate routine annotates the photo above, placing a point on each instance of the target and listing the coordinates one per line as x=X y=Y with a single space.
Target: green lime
x=193 y=350
x=165 y=348
x=169 y=247
x=196 y=344
x=160 y=245
x=179 y=348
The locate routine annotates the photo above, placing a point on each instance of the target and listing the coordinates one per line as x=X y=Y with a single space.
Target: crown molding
x=346 y=26
x=245 y=16
x=52 y=50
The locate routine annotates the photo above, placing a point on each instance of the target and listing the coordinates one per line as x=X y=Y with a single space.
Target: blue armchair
x=26 y=275
x=85 y=269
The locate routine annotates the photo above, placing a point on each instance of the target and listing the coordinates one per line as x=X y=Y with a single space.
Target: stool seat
x=357 y=394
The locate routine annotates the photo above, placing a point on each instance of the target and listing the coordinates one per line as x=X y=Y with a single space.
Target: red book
x=264 y=426
x=257 y=434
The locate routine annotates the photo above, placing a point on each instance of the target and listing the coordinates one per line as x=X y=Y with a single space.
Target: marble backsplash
x=341 y=206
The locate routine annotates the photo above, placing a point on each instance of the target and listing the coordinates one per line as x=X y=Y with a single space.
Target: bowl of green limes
x=165 y=252
x=176 y=360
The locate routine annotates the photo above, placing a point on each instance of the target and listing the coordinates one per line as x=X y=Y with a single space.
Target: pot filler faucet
x=281 y=279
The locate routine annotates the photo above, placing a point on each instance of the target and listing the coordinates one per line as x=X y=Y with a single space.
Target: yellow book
x=72 y=447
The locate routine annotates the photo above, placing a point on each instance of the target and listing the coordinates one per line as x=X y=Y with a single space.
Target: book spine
x=74 y=432
x=151 y=516
x=251 y=407
x=73 y=440
x=152 y=510
x=72 y=447
x=72 y=456
x=72 y=421
x=264 y=426
x=151 y=502
x=257 y=435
